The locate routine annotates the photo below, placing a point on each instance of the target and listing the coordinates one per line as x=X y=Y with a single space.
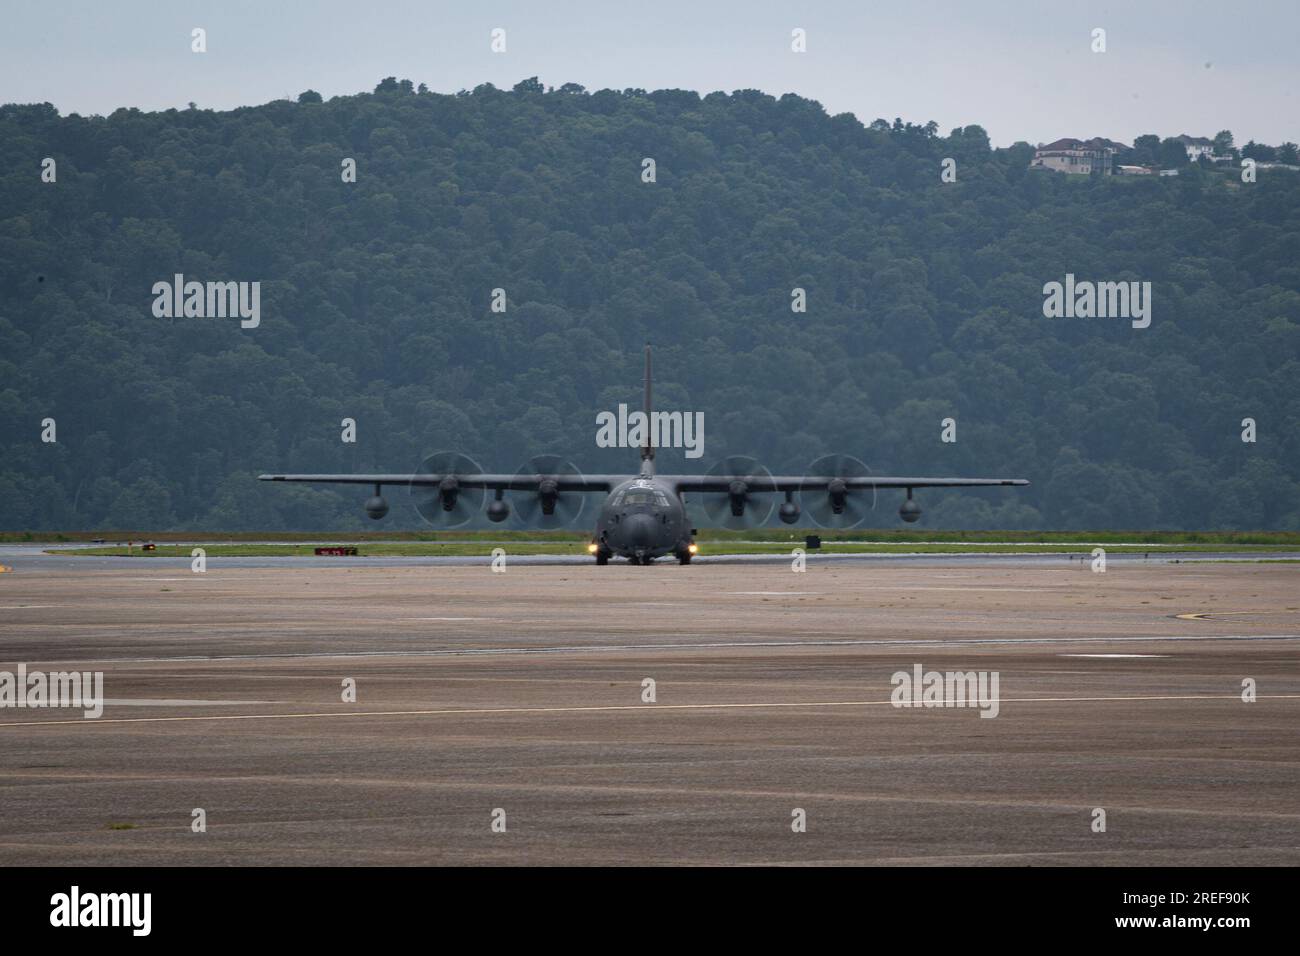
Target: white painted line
x=886 y=587
x=643 y=708
x=774 y=593
x=906 y=587
x=179 y=702
x=406 y=619
x=1112 y=655
x=645 y=604
x=28 y=607
x=704 y=645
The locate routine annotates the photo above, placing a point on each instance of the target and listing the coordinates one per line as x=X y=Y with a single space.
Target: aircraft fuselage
x=641 y=519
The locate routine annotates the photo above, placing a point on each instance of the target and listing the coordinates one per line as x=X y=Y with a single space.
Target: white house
x=1196 y=146
x=1081 y=157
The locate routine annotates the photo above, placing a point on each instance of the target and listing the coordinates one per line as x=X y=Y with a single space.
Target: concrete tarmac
x=522 y=692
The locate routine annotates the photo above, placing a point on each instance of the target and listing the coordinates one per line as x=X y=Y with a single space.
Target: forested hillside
x=924 y=302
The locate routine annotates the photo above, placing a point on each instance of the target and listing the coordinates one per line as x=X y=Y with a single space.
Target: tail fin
x=647 y=447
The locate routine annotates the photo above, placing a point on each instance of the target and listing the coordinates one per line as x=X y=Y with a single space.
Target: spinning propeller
x=837 y=506
x=549 y=507
x=739 y=507
x=445 y=503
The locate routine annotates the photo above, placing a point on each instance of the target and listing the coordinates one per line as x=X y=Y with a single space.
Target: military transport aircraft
x=643 y=516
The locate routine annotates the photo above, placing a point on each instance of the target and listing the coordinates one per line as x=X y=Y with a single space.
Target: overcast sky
x=1023 y=69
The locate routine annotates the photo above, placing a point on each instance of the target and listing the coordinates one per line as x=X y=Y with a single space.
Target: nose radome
x=640 y=529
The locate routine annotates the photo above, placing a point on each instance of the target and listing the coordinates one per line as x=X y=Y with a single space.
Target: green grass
x=517 y=547
x=1276 y=539
x=122 y=536
x=377 y=549
x=466 y=543
x=1260 y=561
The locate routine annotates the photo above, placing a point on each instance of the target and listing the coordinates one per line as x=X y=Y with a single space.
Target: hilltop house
x=1196 y=146
x=1092 y=157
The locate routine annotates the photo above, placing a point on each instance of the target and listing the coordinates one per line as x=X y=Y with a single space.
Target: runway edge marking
x=643 y=708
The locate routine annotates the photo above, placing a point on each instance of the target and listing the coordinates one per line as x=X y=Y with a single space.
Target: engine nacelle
x=737 y=492
x=498 y=510
x=909 y=511
x=548 y=493
x=376 y=507
x=789 y=512
x=838 y=493
x=448 y=493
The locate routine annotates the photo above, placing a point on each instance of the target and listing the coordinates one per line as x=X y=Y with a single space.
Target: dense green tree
x=1172 y=154
x=924 y=301
x=1260 y=152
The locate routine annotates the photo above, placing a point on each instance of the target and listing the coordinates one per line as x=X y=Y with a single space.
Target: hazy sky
x=1023 y=69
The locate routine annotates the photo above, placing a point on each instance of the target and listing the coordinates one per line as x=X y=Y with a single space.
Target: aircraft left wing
x=832 y=496
x=765 y=482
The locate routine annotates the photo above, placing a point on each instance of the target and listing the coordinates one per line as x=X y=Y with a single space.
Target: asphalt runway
x=522 y=692
x=34 y=557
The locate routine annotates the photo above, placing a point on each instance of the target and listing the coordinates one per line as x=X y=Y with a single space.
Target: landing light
x=693 y=548
x=593 y=548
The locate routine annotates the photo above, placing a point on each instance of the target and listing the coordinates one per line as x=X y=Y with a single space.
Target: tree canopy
x=924 y=302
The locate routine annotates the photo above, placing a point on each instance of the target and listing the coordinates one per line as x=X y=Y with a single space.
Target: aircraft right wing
x=474 y=481
x=451 y=499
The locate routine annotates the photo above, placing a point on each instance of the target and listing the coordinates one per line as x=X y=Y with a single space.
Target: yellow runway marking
x=646 y=708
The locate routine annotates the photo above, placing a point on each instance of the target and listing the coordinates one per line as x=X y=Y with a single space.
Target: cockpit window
x=643 y=496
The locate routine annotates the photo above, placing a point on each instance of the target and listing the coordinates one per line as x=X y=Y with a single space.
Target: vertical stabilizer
x=647 y=446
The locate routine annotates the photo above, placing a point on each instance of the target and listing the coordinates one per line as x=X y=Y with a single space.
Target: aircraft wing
x=759 y=483
x=489 y=482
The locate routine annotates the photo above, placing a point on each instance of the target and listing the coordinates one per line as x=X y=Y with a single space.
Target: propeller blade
x=446 y=504
x=754 y=508
x=565 y=507
x=832 y=507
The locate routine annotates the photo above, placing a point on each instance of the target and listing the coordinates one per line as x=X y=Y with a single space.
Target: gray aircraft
x=643 y=516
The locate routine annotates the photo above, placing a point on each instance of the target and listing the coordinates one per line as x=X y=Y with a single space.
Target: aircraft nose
x=640 y=530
